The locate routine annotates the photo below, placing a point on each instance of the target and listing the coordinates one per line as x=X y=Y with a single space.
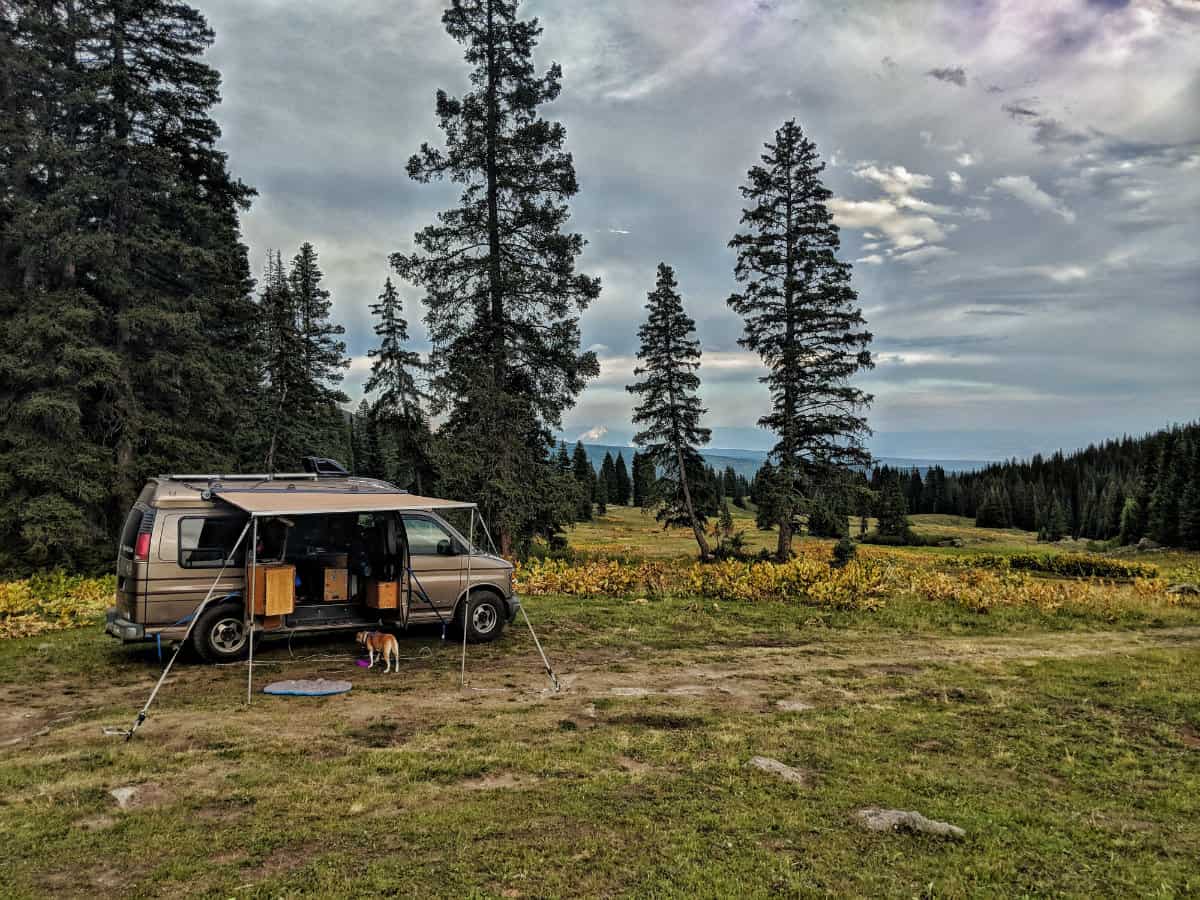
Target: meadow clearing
x=1055 y=719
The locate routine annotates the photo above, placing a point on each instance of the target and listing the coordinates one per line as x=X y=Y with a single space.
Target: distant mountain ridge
x=748 y=462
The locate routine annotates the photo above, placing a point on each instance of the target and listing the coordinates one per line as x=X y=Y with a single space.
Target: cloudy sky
x=1017 y=182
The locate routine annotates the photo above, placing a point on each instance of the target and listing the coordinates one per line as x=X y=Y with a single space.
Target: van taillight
x=141 y=550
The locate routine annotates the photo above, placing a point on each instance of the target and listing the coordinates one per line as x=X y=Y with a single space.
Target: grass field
x=1065 y=742
x=626 y=530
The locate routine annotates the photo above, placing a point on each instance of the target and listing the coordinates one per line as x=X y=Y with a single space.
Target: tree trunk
x=705 y=553
x=783 y=550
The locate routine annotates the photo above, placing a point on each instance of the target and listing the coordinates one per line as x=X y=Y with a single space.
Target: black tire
x=219 y=635
x=485 y=617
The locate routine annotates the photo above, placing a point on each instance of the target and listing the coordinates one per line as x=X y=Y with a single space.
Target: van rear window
x=206 y=542
x=129 y=531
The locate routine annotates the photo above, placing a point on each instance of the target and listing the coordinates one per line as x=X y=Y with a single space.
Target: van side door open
x=436 y=558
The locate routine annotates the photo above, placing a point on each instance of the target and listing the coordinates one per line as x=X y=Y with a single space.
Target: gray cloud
x=956 y=75
x=1046 y=295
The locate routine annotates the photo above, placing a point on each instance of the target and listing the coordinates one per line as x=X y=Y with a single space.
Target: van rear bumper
x=120 y=627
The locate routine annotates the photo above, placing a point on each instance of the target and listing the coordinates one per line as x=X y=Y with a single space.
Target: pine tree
x=800 y=316
x=118 y=219
x=282 y=373
x=562 y=461
x=397 y=407
x=501 y=291
x=585 y=479
x=644 y=478
x=608 y=474
x=323 y=356
x=669 y=410
x=1189 y=504
x=601 y=497
x=624 y=484
x=893 y=510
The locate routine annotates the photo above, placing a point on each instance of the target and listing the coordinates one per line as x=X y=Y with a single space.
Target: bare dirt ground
x=765 y=678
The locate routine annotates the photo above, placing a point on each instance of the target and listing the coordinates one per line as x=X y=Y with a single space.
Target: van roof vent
x=324 y=467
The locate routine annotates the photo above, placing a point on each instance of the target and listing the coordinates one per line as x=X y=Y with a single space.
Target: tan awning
x=305 y=503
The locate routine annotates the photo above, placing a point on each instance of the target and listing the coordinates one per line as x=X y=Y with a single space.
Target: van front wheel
x=220 y=634
x=484 y=617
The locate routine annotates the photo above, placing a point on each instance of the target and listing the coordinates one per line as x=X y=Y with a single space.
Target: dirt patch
x=96 y=823
x=660 y=721
x=140 y=796
x=633 y=766
x=794 y=705
x=1190 y=737
x=499 y=781
x=284 y=859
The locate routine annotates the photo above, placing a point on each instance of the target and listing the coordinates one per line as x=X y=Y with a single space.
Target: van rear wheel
x=220 y=633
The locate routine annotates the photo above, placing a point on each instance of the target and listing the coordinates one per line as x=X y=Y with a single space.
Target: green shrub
x=1071 y=565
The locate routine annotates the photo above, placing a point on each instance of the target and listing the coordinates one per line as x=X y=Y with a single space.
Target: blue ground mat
x=317 y=687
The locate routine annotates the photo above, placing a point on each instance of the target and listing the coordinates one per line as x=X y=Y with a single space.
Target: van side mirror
x=445 y=548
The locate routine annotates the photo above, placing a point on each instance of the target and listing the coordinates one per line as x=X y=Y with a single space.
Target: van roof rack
x=271 y=476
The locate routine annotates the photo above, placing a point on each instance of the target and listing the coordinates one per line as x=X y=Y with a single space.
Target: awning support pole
x=549 y=671
x=141 y=716
x=253 y=557
x=462 y=678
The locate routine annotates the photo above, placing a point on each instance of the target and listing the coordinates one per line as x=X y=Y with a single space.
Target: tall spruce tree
x=282 y=371
x=669 y=410
x=324 y=359
x=502 y=293
x=608 y=474
x=118 y=220
x=585 y=480
x=800 y=317
x=397 y=405
x=624 y=484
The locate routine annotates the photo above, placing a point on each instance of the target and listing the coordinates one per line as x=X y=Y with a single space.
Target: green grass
x=1069 y=757
x=1066 y=743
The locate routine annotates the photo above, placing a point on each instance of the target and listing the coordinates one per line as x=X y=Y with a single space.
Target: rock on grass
x=875 y=819
x=787 y=773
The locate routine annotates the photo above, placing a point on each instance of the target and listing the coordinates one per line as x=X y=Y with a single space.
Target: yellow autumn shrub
x=51 y=602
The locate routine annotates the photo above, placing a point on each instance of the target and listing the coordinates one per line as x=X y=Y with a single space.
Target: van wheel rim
x=484 y=618
x=228 y=635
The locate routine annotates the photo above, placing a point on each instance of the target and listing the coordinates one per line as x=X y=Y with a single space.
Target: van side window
x=206 y=542
x=424 y=535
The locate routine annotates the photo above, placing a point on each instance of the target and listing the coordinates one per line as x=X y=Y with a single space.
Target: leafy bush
x=51 y=602
x=909 y=538
x=1071 y=565
x=843 y=551
x=809 y=578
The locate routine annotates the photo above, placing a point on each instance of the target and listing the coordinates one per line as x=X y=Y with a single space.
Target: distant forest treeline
x=1124 y=490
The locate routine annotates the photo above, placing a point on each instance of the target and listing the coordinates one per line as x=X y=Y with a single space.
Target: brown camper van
x=319 y=551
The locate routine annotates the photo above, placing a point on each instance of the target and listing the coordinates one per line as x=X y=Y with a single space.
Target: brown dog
x=383 y=644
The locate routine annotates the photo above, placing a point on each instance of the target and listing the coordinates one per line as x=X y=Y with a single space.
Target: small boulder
x=124 y=796
x=1184 y=588
x=875 y=819
x=1147 y=544
x=787 y=773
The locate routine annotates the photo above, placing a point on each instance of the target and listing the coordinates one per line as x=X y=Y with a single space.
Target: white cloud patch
x=957 y=183
x=965 y=159
x=1025 y=189
x=1062 y=274
x=594 y=434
